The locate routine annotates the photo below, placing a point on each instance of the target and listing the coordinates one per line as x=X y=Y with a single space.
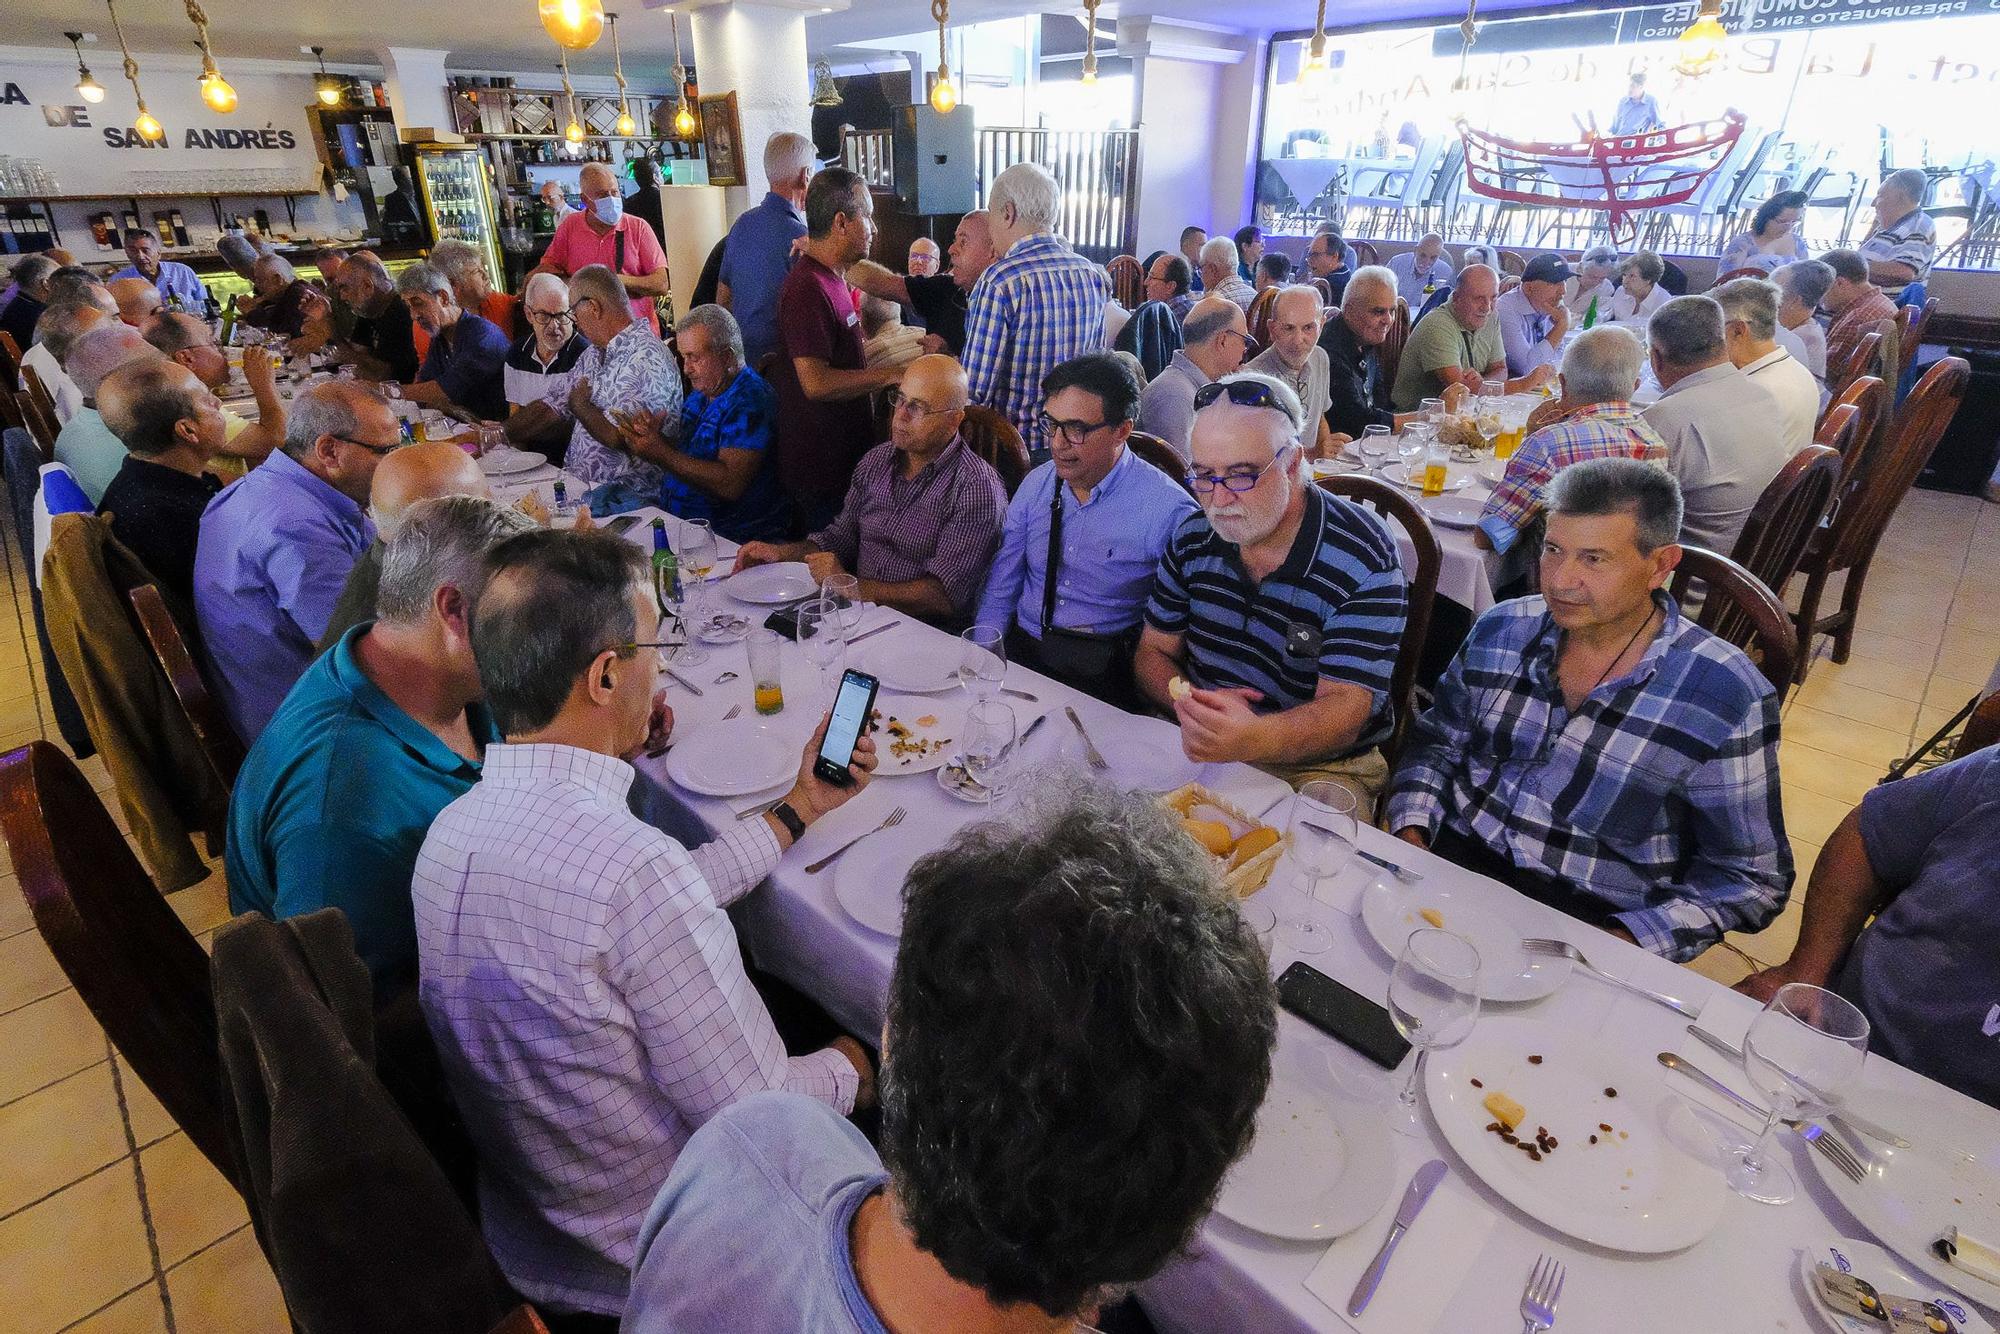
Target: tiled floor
x=111 y=1223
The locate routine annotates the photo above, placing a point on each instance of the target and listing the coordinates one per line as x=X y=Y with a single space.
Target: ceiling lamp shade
x=87 y=86
x=1701 y=43
x=575 y=24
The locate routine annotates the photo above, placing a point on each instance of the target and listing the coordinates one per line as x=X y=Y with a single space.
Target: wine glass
x=697 y=561
x=988 y=746
x=824 y=639
x=1323 y=832
x=1374 y=443
x=1807 y=1042
x=1431 y=411
x=846 y=591
x=1412 y=445
x=982 y=661
x=1434 y=1002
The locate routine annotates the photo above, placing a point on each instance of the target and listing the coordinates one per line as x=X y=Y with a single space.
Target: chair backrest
x=36 y=388
x=993 y=438
x=10 y=361
x=10 y=409
x=1325 y=290
x=1364 y=251
x=1921 y=325
x=1866 y=352
x=1158 y=453
x=1906 y=346
x=1392 y=503
x=1734 y=274
x=1982 y=729
x=1511 y=264
x=1869 y=398
x=134 y=963
x=1782 y=522
x=1673 y=277
x=1764 y=625
x=1885 y=473
x=1390 y=355
x=41 y=424
x=1128 y=280
x=211 y=726
x=1260 y=315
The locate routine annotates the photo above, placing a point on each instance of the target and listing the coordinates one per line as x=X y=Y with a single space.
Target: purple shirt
x=274 y=553
x=944 y=522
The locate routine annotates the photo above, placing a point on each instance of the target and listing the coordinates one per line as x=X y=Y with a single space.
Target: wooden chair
x=1511 y=264
x=211 y=726
x=992 y=437
x=520 y=1320
x=10 y=411
x=1982 y=729
x=1864 y=361
x=1128 y=281
x=41 y=425
x=10 y=361
x=1869 y=399
x=1774 y=538
x=1160 y=454
x=1390 y=354
x=1732 y=591
x=1393 y=503
x=1734 y=274
x=1867 y=502
x=1260 y=316
x=36 y=388
x=1919 y=326
x=138 y=968
x=1365 y=253
x=1325 y=290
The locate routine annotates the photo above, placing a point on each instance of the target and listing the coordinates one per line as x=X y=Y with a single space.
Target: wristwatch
x=789 y=818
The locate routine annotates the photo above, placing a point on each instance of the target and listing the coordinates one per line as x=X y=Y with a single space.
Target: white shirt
x=589 y=1003
x=1627 y=310
x=61 y=388
x=1785 y=378
x=1801 y=347
x=1582 y=294
x=1724 y=445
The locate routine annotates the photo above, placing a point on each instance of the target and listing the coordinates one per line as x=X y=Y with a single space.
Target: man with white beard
x=1277 y=610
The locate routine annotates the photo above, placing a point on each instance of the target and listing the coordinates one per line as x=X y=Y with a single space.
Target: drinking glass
x=1434 y=1002
x=1320 y=831
x=1431 y=410
x=824 y=640
x=1806 y=1044
x=1374 y=444
x=1487 y=417
x=697 y=561
x=766 y=674
x=846 y=591
x=988 y=746
x=982 y=661
x=1413 y=444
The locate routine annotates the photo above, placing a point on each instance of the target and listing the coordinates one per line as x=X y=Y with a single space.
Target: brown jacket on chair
x=165 y=784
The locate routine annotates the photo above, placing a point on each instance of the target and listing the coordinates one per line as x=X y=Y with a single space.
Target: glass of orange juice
x=765 y=678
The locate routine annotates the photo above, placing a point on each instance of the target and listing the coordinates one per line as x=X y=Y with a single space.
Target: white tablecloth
x=1740 y=1278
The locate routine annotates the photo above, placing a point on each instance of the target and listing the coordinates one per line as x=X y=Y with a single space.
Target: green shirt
x=87 y=448
x=1440 y=341
x=332 y=805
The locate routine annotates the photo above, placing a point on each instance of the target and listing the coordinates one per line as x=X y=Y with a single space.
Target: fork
x=1539 y=1298
x=660 y=750
x=895 y=818
x=1562 y=949
x=1830 y=1147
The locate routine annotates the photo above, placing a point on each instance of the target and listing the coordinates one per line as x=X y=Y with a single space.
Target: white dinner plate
x=868 y=881
x=507 y=462
x=770 y=585
x=1318 y=1168
x=1889 y=1275
x=1452 y=511
x=1635 y=1190
x=931 y=671
x=734 y=758
x=1457 y=476
x=1391 y=910
x=1950 y=1177
x=929 y=744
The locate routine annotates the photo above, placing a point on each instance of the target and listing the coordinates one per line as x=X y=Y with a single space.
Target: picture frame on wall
x=722 y=139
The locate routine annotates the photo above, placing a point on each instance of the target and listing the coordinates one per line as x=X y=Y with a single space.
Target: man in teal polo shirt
x=379 y=735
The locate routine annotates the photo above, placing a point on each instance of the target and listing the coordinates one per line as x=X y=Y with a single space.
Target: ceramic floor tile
x=1811 y=816
x=206 y=905
x=1843 y=736
x=192 y=1204
x=1929 y=720
x=1952 y=692
x=228 y=1288
x=1823 y=692
x=14 y=915
x=1720 y=965
x=43 y=1042
x=139 y=1312
x=1774 y=944
x=58 y=1135
x=28 y=972
x=1901 y=677
x=74 y=1252
x=150 y=1121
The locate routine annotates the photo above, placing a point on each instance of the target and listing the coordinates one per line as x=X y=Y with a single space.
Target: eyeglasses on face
x=1073 y=433
x=916 y=407
x=379 y=451
x=1238 y=479
x=549 y=316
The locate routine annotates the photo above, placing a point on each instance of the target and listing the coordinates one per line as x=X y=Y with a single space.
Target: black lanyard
x=1054 y=561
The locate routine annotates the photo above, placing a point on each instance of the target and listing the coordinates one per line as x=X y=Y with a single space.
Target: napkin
x=1427 y=1270
x=1726 y=1020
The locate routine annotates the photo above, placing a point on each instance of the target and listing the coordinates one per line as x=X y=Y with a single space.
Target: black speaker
x=933 y=154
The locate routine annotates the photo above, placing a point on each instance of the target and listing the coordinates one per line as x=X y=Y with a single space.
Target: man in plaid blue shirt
x=1598 y=752
x=1037 y=306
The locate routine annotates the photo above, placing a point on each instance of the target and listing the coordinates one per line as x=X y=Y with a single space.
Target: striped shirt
x=1600 y=431
x=1335 y=610
x=1658 y=797
x=1851 y=326
x=1911 y=240
x=943 y=523
x=1036 y=307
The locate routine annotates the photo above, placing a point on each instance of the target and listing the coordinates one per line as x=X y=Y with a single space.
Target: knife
x=686 y=684
x=1400 y=872
x=1089 y=749
x=876 y=631
x=1421 y=1186
x=1843 y=1118
x=1040 y=718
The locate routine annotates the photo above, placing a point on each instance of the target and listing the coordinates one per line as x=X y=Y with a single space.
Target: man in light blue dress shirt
x=276 y=548
x=175 y=281
x=1533 y=319
x=758 y=252
x=1116 y=512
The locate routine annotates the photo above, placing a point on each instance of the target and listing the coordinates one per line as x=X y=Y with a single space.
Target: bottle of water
x=666 y=573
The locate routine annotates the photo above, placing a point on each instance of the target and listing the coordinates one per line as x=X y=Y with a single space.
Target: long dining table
x=1467 y=1272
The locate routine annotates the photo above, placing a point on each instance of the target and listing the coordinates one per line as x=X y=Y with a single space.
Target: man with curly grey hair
x=1061 y=980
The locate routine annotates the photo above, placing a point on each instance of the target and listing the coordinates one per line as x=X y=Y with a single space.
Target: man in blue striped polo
x=1277 y=610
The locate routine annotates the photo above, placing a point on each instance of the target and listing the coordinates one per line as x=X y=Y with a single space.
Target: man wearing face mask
x=603 y=233
x=1277 y=610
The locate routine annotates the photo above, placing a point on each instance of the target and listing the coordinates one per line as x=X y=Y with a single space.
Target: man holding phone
x=579 y=972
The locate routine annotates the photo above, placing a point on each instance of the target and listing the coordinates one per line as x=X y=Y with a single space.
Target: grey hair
x=101 y=350
x=63 y=323
x=425 y=278
x=1687 y=331
x=1031 y=190
x=599 y=170
x=1299 y=289
x=1199 y=328
x=376 y=272
x=786 y=154
x=602 y=285
x=318 y=411
x=74 y=284
x=1910 y=181
x=1218 y=250
x=1646 y=491
x=1287 y=401
x=455 y=257
x=438 y=542
x=236 y=251
x=1373 y=273
x=277 y=264
x=34 y=271
x=540 y=279
x=1848 y=264
x=1752 y=300
x=1601 y=365
x=1646 y=264
x=1480 y=254
x=720 y=326
x=1807 y=281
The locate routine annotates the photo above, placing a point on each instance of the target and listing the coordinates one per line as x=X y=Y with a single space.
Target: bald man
x=171 y=424
x=137 y=299
x=940 y=300
x=922 y=518
x=86 y=446
x=189 y=341
x=1214 y=337
x=1296 y=358
x=924 y=258
x=603 y=233
x=411 y=474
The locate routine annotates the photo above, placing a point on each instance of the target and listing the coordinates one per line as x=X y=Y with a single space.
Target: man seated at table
x=413 y=473
x=463 y=373
x=1273 y=270
x=1750 y=329
x=1594 y=418
x=941 y=300
x=1459 y=344
x=1357 y=398
x=31 y=297
x=463 y=263
x=1296 y=358
x=1898 y=919
x=1904 y=243
x=1801 y=288
x=172 y=425
x=1724 y=444
x=85 y=445
x=1423 y=270
x=137 y=299
x=1192 y=240
x=1028 y=1174
x=1532 y=317
x=922 y=517
x=719 y=466
x=289 y=306
x=1214 y=337
x=1282 y=605
x=1219 y=277
x=1597 y=751
x=1857 y=307
x=1171 y=281
x=1104 y=515
x=276 y=548
x=578 y=971
x=625 y=370
x=378 y=735
x=189 y=340
x=381 y=346
x=58 y=328
x=543 y=362
x=1329 y=259
x=176 y=283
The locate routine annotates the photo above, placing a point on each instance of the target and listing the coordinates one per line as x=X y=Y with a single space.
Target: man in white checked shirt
x=579 y=975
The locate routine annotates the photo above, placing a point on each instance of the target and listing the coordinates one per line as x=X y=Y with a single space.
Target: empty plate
x=734 y=758
x=769 y=585
x=1452 y=511
x=507 y=462
x=868 y=882
x=932 y=671
x=1318 y=1168
x=1392 y=910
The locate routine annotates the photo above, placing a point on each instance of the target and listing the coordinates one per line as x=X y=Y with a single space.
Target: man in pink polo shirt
x=603 y=233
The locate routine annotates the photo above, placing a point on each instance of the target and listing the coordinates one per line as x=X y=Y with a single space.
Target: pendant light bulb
x=684 y=120
x=944 y=93
x=1700 y=46
x=217 y=94
x=626 y=126
x=1090 y=41
x=148 y=126
x=575 y=24
x=325 y=86
x=573 y=131
x=87 y=86
x=1316 y=70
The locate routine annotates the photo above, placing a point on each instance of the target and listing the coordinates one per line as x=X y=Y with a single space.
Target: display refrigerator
x=457 y=190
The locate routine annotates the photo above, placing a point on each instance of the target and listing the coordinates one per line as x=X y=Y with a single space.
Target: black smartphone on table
x=1342 y=1013
x=851 y=706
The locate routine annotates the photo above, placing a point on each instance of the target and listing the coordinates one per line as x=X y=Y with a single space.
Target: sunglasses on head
x=1244 y=394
